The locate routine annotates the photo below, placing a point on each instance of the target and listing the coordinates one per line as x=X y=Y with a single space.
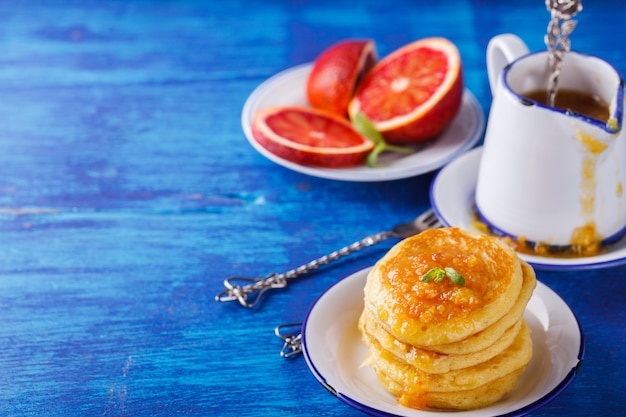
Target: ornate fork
x=250 y=290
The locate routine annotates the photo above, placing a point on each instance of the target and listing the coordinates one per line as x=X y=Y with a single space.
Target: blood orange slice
x=310 y=137
x=337 y=71
x=412 y=94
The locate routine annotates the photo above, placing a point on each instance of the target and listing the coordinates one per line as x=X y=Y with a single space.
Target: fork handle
x=340 y=253
x=244 y=293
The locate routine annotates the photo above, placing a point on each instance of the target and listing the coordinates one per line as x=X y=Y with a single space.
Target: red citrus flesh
x=310 y=137
x=336 y=73
x=414 y=93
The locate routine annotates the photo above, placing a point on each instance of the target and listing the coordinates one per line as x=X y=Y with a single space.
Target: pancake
x=446 y=343
x=415 y=382
x=481 y=340
x=491 y=334
x=426 y=360
x=459 y=400
x=429 y=313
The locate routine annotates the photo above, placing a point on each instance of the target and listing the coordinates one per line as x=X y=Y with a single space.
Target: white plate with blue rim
x=335 y=354
x=452 y=198
x=288 y=88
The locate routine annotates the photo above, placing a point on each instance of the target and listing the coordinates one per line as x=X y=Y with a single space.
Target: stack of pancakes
x=440 y=344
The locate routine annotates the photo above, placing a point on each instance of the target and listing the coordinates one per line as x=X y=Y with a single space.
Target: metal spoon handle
x=557 y=39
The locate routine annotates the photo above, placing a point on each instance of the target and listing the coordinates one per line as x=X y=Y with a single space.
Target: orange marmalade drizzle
x=585 y=241
x=434 y=303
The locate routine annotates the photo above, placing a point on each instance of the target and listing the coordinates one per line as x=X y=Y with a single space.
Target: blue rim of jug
x=619 y=108
x=554 y=249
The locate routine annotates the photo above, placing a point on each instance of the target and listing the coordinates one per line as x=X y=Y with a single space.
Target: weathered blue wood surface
x=128 y=193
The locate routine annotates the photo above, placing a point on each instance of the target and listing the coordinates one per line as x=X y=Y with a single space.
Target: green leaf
x=372 y=157
x=455 y=276
x=365 y=127
x=436 y=274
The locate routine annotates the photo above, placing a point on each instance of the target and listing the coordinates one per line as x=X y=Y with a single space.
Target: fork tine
x=424 y=221
x=429 y=220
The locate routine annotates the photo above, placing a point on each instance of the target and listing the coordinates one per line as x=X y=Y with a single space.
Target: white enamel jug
x=546 y=173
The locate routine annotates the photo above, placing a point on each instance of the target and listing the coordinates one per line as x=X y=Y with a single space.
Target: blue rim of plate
x=464 y=200
x=399 y=168
x=522 y=411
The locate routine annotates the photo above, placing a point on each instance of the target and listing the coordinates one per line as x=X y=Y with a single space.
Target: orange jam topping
x=487 y=269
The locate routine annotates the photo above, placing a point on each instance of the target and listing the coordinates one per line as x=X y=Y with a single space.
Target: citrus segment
x=412 y=94
x=337 y=71
x=310 y=137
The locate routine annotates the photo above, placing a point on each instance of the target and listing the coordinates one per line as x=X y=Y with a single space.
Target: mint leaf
x=365 y=127
x=436 y=274
x=455 y=276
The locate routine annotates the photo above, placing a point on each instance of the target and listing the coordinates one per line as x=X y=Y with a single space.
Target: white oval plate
x=452 y=198
x=334 y=353
x=288 y=88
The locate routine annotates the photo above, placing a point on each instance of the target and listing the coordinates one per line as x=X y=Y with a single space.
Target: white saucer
x=452 y=199
x=288 y=88
x=334 y=353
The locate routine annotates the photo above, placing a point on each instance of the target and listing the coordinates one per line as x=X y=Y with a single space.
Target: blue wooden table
x=128 y=192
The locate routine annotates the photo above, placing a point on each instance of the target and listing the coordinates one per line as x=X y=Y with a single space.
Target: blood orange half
x=412 y=94
x=336 y=73
x=310 y=137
